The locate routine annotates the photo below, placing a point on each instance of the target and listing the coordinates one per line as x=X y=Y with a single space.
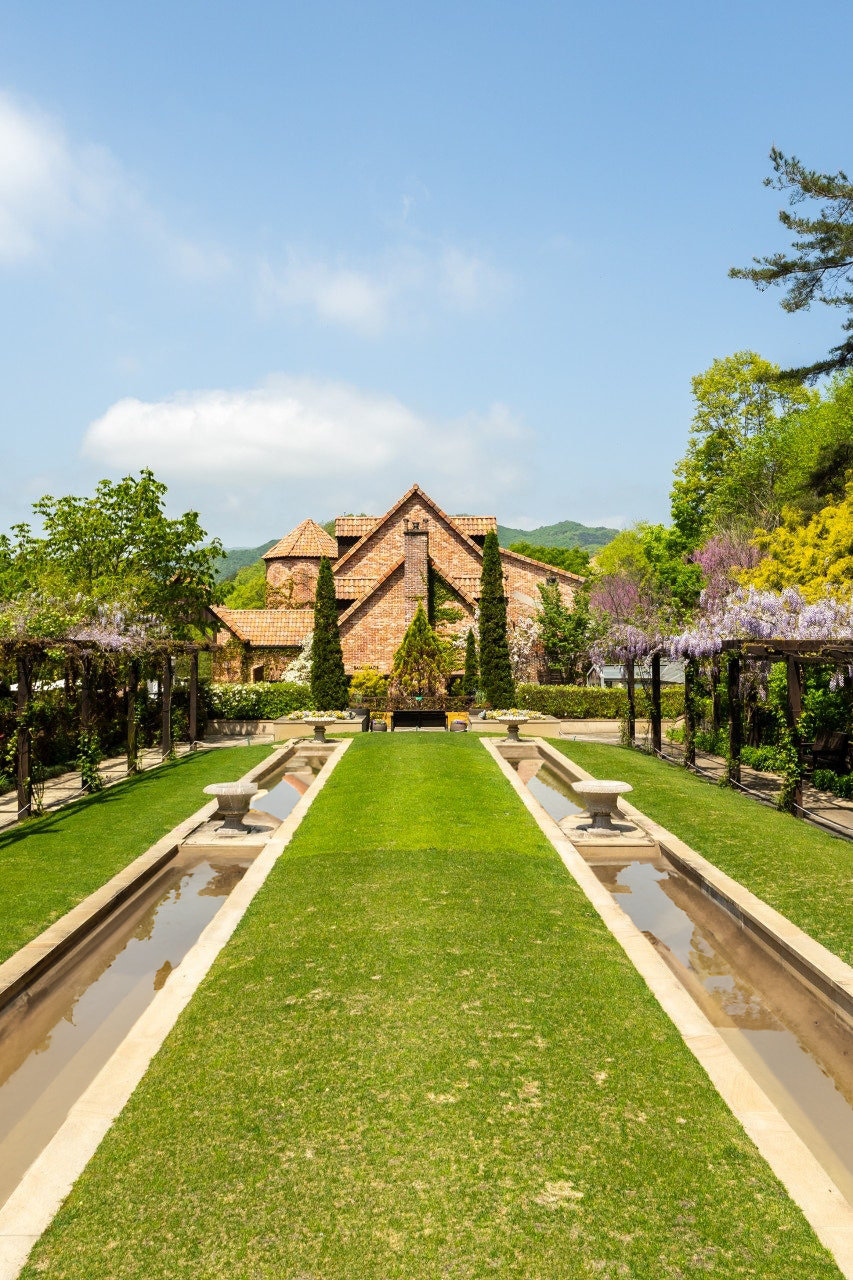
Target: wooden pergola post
x=193 y=714
x=166 y=723
x=132 y=737
x=795 y=710
x=656 y=716
x=715 y=694
x=23 y=753
x=735 y=717
x=632 y=701
x=85 y=693
x=691 y=672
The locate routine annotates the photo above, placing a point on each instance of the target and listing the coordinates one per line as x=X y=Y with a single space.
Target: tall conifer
x=471 y=678
x=328 y=681
x=420 y=663
x=495 y=670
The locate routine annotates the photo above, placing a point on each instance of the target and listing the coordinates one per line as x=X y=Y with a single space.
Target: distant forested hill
x=568 y=533
x=240 y=558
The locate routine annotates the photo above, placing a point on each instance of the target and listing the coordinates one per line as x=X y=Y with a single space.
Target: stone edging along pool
x=37 y=1198
x=825 y=1208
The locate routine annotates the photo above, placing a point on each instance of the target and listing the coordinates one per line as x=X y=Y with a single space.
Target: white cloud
x=51 y=184
x=301 y=441
x=394 y=286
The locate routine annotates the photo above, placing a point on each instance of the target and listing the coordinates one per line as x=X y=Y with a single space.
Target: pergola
x=26 y=651
x=795 y=654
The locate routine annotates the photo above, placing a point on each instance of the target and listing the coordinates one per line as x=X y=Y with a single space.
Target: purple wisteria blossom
x=115 y=630
x=750 y=614
x=719 y=558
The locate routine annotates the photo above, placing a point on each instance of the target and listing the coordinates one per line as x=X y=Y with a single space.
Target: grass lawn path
x=422 y=1057
x=803 y=872
x=49 y=864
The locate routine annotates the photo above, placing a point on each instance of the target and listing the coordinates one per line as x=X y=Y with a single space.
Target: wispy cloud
x=394 y=286
x=52 y=186
x=295 y=437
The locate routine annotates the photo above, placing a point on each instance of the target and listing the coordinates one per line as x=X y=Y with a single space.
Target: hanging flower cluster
x=749 y=614
x=114 y=629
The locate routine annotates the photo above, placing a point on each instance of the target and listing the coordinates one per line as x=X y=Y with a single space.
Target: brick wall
x=291 y=582
x=416 y=567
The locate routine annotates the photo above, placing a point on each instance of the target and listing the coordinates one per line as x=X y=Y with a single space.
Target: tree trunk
x=193 y=716
x=691 y=672
x=632 y=701
x=657 y=741
x=85 y=693
x=795 y=710
x=166 y=686
x=735 y=717
x=132 y=736
x=24 y=749
x=716 y=718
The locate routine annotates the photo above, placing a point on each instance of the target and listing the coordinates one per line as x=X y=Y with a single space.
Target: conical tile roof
x=308 y=540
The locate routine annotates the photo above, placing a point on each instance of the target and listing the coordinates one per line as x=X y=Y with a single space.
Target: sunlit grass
x=421 y=1057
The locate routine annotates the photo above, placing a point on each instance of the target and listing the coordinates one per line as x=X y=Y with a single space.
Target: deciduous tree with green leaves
x=328 y=679
x=495 y=669
x=566 y=633
x=820 y=266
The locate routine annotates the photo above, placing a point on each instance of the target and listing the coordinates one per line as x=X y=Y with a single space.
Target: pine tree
x=328 y=681
x=420 y=663
x=495 y=670
x=471 y=678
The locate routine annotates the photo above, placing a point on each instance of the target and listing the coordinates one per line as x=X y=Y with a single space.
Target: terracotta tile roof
x=352 y=588
x=416 y=488
x=354 y=608
x=476 y=526
x=354 y=526
x=551 y=568
x=267 y=627
x=307 y=540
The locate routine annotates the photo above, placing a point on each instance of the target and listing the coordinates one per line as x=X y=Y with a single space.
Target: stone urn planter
x=513 y=724
x=599 y=798
x=234 y=799
x=320 y=724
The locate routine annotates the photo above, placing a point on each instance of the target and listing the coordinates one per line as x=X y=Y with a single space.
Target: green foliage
x=89 y=757
x=471 y=678
x=261 y=701
x=367 y=685
x=821 y=266
x=328 y=680
x=654 y=559
x=816 y=555
x=420 y=665
x=838 y=784
x=582 y=702
x=247 y=589
x=728 y=477
x=495 y=670
x=573 y=559
x=443 y=602
x=566 y=633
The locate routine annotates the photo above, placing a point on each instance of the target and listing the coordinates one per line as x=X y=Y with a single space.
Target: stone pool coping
x=823 y=1205
x=38 y=1196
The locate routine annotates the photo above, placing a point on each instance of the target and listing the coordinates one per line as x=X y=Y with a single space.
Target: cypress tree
x=420 y=663
x=471 y=678
x=495 y=670
x=328 y=681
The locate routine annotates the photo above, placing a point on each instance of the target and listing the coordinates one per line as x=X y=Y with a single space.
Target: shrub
x=582 y=702
x=367 y=685
x=767 y=758
x=263 y=701
x=839 y=784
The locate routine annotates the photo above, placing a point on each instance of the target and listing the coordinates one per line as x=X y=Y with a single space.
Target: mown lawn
x=49 y=864
x=421 y=1057
x=803 y=872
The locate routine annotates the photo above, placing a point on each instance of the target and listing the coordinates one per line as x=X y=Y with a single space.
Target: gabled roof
x=476 y=526
x=356 y=605
x=307 y=541
x=267 y=627
x=354 y=526
x=393 y=510
x=540 y=564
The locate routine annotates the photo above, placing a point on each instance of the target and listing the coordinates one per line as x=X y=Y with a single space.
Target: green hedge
x=262 y=701
x=578 y=702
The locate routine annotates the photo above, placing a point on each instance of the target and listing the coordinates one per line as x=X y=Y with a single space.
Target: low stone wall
x=239 y=728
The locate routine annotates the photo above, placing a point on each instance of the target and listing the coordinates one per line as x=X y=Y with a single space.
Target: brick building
x=382 y=567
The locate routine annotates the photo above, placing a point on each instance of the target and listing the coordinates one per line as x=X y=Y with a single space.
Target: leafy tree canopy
x=645 y=574
x=247 y=589
x=573 y=559
x=820 y=266
x=566 y=633
x=737 y=447
x=816 y=557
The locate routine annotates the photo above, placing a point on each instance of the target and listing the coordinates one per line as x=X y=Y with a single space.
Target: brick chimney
x=416 y=544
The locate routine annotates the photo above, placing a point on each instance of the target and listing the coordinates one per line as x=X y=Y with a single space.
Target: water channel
x=57 y=1036
x=792 y=1044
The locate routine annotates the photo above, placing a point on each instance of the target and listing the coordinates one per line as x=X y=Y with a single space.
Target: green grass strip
x=803 y=872
x=51 y=863
x=423 y=1057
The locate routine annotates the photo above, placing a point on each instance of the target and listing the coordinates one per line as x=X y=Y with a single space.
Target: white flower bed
x=320 y=715
x=512 y=714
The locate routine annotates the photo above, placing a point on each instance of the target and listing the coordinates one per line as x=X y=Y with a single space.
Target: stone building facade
x=382 y=568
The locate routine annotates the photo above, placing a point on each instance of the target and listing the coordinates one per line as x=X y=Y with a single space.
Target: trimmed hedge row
x=580 y=702
x=268 y=701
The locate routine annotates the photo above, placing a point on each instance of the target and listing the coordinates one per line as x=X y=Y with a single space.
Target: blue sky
x=297 y=257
